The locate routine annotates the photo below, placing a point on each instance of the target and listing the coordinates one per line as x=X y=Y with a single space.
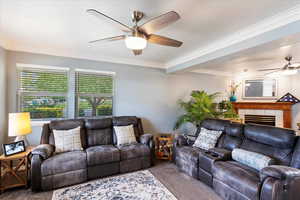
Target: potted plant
x=201 y=106
x=232 y=90
x=228 y=111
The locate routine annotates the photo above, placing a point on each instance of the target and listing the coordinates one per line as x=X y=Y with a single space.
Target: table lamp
x=19 y=125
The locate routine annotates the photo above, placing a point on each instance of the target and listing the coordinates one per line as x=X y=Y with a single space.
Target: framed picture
x=14 y=148
x=260 y=89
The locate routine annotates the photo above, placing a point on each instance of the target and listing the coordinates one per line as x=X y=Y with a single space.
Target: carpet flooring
x=180 y=184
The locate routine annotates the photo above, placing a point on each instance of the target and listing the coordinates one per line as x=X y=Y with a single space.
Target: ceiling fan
x=288 y=69
x=137 y=37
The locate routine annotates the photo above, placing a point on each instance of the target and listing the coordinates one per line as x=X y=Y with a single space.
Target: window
x=94 y=94
x=43 y=92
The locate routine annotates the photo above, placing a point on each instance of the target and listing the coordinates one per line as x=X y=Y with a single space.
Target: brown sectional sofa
x=100 y=156
x=235 y=181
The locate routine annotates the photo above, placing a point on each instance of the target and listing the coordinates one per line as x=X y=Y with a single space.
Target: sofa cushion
x=207 y=139
x=189 y=154
x=233 y=137
x=125 y=121
x=67 y=125
x=133 y=151
x=99 y=131
x=273 y=136
x=125 y=134
x=64 y=162
x=67 y=140
x=102 y=154
x=215 y=124
x=282 y=156
x=251 y=159
x=238 y=177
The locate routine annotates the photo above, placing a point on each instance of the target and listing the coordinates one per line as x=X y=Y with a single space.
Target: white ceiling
x=269 y=55
x=63 y=28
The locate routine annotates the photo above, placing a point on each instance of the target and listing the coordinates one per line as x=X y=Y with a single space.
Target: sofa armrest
x=146 y=138
x=279 y=172
x=43 y=150
x=180 y=140
x=223 y=154
x=36 y=174
x=279 y=182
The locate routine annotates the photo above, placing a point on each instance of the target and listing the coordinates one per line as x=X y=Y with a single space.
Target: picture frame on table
x=14 y=148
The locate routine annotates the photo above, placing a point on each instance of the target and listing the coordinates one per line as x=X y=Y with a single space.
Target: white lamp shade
x=136 y=43
x=19 y=124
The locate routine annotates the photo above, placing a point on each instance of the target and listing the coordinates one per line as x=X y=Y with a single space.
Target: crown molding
x=272 y=23
x=213 y=72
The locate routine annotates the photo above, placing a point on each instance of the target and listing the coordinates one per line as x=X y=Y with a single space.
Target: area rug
x=141 y=185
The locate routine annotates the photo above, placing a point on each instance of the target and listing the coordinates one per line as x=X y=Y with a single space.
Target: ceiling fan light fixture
x=135 y=43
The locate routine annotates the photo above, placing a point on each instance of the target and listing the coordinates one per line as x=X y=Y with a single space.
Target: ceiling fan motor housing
x=137 y=16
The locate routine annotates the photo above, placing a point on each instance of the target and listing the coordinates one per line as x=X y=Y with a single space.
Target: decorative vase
x=233 y=98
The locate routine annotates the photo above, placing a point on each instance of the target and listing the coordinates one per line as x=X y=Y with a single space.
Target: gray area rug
x=141 y=185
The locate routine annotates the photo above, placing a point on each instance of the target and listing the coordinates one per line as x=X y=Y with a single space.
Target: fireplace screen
x=261 y=119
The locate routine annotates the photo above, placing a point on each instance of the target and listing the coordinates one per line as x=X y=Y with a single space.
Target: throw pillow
x=251 y=159
x=207 y=139
x=125 y=134
x=67 y=140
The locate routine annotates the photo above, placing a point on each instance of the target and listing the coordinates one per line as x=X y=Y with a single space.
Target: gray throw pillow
x=207 y=139
x=252 y=159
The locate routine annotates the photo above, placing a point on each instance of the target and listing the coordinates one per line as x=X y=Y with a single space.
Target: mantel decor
x=288 y=97
x=284 y=106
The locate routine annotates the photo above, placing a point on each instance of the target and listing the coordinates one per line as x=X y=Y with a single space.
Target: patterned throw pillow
x=125 y=134
x=251 y=159
x=207 y=139
x=67 y=140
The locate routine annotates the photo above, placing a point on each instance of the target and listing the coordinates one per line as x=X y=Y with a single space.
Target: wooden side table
x=14 y=169
x=164 y=146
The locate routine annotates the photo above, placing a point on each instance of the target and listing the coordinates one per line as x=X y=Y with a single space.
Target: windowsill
x=38 y=123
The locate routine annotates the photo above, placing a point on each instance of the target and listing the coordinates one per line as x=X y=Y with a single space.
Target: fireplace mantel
x=286 y=107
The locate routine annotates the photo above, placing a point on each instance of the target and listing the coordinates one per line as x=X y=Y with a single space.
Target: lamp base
x=22 y=137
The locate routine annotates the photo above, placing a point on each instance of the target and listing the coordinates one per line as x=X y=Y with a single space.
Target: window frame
x=42 y=68
x=77 y=94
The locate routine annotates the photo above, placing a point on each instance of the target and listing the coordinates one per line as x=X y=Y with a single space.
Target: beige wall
x=3 y=105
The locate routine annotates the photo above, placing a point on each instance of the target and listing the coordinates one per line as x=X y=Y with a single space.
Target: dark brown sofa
x=100 y=156
x=235 y=181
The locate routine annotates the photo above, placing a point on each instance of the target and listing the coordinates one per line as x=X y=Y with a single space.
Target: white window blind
x=94 y=94
x=43 y=92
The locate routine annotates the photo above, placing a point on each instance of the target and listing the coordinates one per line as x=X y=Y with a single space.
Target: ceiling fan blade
x=100 y=15
x=272 y=72
x=137 y=52
x=161 y=40
x=159 y=22
x=263 y=70
x=110 y=39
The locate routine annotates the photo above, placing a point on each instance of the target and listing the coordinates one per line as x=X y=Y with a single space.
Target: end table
x=14 y=169
x=164 y=146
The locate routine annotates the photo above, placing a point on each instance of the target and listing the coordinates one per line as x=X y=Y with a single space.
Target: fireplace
x=281 y=111
x=261 y=119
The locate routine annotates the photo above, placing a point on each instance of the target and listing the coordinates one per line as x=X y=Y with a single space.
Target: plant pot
x=233 y=98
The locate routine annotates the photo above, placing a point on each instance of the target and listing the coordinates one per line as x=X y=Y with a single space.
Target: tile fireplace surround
x=281 y=111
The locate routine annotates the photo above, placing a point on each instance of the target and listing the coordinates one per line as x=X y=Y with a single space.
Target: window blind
x=43 y=93
x=94 y=92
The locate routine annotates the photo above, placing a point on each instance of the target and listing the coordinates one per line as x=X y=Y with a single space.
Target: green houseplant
x=227 y=110
x=201 y=106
